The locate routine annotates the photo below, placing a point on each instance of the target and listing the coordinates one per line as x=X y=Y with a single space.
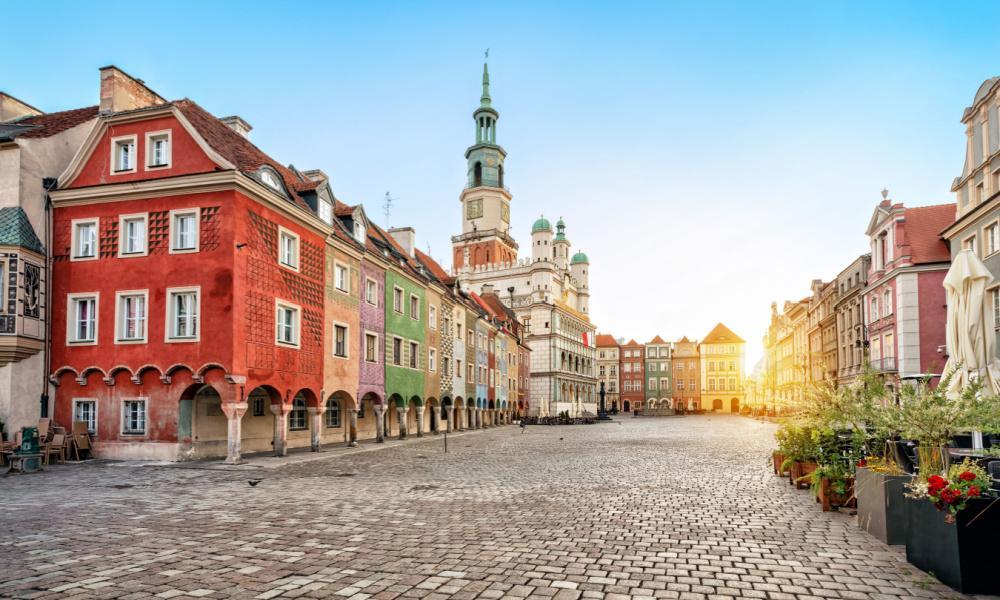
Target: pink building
x=904 y=300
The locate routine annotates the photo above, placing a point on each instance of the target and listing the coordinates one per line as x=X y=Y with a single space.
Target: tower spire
x=485 y=100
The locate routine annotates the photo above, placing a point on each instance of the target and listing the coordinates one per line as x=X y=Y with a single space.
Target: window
x=359 y=231
x=679 y=384
x=371 y=347
x=397 y=351
x=341 y=278
x=414 y=307
x=132 y=235
x=458 y=368
x=432 y=320
x=414 y=355
x=258 y=406
x=340 y=340
x=288 y=249
x=887 y=302
x=182 y=313
x=123 y=154
x=287 y=324
x=969 y=243
x=130 y=323
x=84 y=239
x=158 y=149
x=270 y=179
x=134 y=417
x=711 y=365
x=980 y=194
x=82 y=323
x=297 y=420
x=996 y=308
x=397 y=300
x=652 y=383
x=332 y=414
x=992 y=242
x=732 y=365
x=371 y=292
x=472 y=374
x=431 y=359
x=86 y=411
x=470 y=339
x=888 y=345
x=874 y=310
x=184 y=234
x=711 y=385
x=445 y=366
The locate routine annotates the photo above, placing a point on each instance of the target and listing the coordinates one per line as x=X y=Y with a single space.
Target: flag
x=586 y=339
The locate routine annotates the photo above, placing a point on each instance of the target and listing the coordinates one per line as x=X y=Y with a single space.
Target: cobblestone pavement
x=645 y=508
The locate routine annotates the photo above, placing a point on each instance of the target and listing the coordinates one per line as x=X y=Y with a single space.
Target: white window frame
x=168 y=330
x=152 y=136
x=3 y=287
x=326 y=211
x=414 y=314
x=296 y=342
x=327 y=412
x=392 y=352
x=75 y=238
x=92 y=401
x=397 y=292
x=180 y=212
x=145 y=415
x=71 y=300
x=288 y=233
x=971 y=243
x=120 y=316
x=996 y=307
x=414 y=348
x=432 y=316
x=991 y=240
x=123 y=235
x=336 y=277
x=347 y=340
x=116 y=142
x=375 y=346
x=374 y=295
x=432 y=359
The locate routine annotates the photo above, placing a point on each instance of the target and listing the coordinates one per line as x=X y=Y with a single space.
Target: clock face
x=491 y=162
x=474 y=209
x=505 y=212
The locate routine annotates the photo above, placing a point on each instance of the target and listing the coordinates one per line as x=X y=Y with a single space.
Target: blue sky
x=709 y=157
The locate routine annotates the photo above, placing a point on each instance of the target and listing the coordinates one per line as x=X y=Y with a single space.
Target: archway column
x=451 y=416
x=315 y=428
x=420 y=420
x=280 y=412
x=352 y=428
x=478 y=414
x=401 y=411
x=234 y=412
x=379 y=423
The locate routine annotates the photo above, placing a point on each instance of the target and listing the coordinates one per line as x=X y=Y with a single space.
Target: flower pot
x=778 y=458
x=882 y=504
x=833 y=500
x=960 y=554
x=802 y=468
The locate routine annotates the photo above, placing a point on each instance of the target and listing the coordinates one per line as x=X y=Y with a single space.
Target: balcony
x=884 y=365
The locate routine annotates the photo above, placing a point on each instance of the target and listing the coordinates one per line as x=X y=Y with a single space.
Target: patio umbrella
x=970 y=327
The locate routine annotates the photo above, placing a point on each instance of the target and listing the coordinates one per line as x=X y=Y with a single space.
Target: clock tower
x=485 y=237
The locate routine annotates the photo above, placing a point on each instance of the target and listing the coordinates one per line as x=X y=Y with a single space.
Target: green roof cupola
x=560 y=230
x=485 y=156
x=580 y=259
x=542 y=224
x=486 y=116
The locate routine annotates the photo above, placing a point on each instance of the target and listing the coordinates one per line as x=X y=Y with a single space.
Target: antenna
x=387 y=208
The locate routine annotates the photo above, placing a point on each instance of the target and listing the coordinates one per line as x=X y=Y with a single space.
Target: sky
x=709 y=157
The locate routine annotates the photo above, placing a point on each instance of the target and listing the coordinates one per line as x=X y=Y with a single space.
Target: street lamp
x=602 y=413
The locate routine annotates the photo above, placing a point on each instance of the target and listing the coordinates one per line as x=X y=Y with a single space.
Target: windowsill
x=131 y=342
x=177 y=340
x=132 y=254
x=81 y=343
x=183 y=250
x=342 y=291
x=81 y=258
x=289 y=345
x=121 y=172
x=340 y=357
x=283 y=265
x=157 y=167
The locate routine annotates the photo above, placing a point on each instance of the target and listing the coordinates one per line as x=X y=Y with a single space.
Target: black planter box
x=961 y=554
x=882 y=505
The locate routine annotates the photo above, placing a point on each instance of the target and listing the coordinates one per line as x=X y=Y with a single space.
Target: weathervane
x=486 y=55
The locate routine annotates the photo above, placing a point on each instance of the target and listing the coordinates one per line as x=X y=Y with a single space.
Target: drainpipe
x=49 y=184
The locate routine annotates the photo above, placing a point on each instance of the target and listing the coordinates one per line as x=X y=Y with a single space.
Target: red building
x=905 y=309
x=190 y=268
x=633 y=372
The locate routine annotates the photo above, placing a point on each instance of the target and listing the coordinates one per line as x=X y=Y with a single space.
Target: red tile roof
x=52 y=123
x=922 y=231
x=436 y=269
x=632 y=342
x=606 y=341
x=657 y=340
x=721 y=333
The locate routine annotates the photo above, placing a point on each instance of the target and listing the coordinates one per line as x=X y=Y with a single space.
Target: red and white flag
x=586 y=339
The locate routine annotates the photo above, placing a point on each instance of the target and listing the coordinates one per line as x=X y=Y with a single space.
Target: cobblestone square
x=681 y=508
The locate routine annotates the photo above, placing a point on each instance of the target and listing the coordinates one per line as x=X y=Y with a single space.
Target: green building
x=659 y=384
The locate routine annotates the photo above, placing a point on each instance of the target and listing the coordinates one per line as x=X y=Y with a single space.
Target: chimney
x=11 y=108
x=120 y=91
x=237 y=124
x=487 y=288
x=405 y=237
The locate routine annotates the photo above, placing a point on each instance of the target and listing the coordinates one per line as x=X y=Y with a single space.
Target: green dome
x=542 y=224
x=579 y=259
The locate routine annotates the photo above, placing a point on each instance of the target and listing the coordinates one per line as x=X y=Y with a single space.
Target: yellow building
x=722 y=370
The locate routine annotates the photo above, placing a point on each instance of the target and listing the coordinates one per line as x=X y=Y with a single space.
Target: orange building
x=633 y=372
x=687 y=375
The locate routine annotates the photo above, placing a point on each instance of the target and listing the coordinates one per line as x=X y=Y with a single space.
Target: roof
x=579 y=258
x=606 y=341
x=721 y=333
x=46 y=125
x=501 y=310
x=240 y=151
x=632 y=342
x=923 y=227
x=684 y=340
x=542 y=224
x=436 y=269
x=16 y=230
x=657 y=340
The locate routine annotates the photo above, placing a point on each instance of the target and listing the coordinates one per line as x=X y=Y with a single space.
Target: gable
x=95 y=165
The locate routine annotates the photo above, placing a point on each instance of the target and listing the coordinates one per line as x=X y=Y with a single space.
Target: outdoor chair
x=905 y=456
x=57 y=446
x=993 y=468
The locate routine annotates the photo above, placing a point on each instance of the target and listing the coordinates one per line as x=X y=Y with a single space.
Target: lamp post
x=602 y=413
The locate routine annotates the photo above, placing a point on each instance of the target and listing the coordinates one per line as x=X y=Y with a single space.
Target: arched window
x=297 y=418
x=477 y=174
x=332 y=413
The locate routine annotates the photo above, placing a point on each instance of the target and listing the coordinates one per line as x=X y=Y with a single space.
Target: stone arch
x=86 y=372
x=208 y=366
x=346 y=399
x=433 y=414
x=717 y=404
x=148 y=367
x=118 y=369
x=58 y=374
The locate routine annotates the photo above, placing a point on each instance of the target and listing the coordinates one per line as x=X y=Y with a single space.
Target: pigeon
x=254 y=482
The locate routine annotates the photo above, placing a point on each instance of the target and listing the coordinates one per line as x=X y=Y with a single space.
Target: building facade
x=659 y=384
x=687 y=375
x=633 y=374
x=722 y=370
x=608 y=365
x=851 y=338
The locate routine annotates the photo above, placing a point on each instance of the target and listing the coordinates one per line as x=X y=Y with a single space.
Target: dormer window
x=123 y=154
x=270 y=178
x=326 y=211
x=359 y=231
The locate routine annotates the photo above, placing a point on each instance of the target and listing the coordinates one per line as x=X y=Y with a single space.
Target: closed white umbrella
x=970 y=327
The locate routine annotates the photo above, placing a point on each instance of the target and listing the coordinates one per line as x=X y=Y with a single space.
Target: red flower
x=967 y=476
x=936 y=483
x=862 y=462
x=973 y=491
x=949 y=496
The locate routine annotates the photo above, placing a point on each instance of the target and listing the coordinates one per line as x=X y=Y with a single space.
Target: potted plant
x=799 y=452
x=879 y=488
x=952 y=529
